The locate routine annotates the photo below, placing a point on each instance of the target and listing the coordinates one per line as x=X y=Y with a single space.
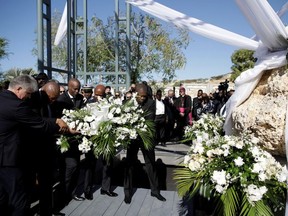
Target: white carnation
x=219 y=177
x=238 y=161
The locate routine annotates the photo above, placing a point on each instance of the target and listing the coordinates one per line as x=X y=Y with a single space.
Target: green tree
x=14 y=72
x=3 y=48
x=242 y=60
x=155 y=48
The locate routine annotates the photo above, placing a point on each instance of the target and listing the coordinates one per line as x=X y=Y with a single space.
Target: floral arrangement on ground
x=234 y=171
x=106 y=126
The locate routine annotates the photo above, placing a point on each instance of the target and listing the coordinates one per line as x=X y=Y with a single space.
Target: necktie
x=49 y=111
x=74 y=101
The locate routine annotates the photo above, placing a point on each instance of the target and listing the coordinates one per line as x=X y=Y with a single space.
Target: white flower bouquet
x=243 y=178
x=84 y=121
x=106 y=126
x=207 y=126
x=124 y=123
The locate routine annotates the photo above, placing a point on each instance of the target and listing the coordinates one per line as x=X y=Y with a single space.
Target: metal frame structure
x=73 y=33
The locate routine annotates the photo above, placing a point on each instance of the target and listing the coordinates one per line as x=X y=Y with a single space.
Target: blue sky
x=205 y=57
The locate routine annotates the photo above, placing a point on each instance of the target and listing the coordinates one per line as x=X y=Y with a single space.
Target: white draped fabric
x=283 y=10
x=266 y=23
x=62 y=28
x=195 y=25
x=247 y=81
x=270 y=52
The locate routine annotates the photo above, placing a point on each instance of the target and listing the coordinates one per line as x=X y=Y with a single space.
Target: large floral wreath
x=107 y=125
x=243 y=178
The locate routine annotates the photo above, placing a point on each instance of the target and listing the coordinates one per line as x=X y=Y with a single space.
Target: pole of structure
x=128 y=45
x=40 y=46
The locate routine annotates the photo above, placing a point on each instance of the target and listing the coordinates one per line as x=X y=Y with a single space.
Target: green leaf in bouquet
x=63 y=143
x=228 y=203
x=104 y=141
x=148 y=134
x=188 y=183
x=205 y=190
x=260 y=208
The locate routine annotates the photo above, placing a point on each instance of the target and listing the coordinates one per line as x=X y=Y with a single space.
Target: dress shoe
x=78 y=198
x=158 y=196
x=108 y=193
x=58 y=214
x=88 y=195
x=127 y=199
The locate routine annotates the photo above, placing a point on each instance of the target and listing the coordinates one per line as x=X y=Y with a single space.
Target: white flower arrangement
x=208 y=125
x=234 y=170
x=105 y=126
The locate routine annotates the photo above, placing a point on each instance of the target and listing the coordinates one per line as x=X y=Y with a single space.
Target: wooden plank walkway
x=142 y=204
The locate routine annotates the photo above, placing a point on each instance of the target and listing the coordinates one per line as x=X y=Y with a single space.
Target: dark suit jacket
x=39 y=102
x=43 y=148
x=149 y=107
x=15 y=115
x=64 y=102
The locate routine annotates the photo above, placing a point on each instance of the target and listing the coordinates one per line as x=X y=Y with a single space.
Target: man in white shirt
x=160 y=119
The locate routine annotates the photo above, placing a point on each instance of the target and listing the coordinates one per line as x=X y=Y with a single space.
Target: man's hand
x=73 y=131
x=63 y=126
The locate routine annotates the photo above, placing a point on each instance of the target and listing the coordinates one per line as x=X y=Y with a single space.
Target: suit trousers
x=131 y=158
x=106 y=174
x=14 y=187
x=71 y=175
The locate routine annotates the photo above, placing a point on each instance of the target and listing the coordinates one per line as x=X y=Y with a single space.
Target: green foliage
x=228 y=204
x=232 y=170
x=154 y=48
x=260 y=208
x=187 y=182
x=14 y=72
x=147 y=136
x=242 y=60
x=104 y=141
x=3 y=48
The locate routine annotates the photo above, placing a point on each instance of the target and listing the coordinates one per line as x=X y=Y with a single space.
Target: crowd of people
x=30 y=114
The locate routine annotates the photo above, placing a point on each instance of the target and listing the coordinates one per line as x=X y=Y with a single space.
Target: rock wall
x=263 y=113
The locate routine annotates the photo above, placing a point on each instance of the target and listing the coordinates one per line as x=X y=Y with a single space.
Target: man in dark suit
x=197 y=105
x=71 y=100
x=44 y=162
x=15 y=115
x=148 y=105
x=172 y=113
x=90 y=161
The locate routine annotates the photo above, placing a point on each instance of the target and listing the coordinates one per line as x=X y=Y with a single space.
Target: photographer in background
x=221 y=97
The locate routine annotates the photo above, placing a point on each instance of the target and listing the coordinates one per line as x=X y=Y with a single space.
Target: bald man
x=44 y=158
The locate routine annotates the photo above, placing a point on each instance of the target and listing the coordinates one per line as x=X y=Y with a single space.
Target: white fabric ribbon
x=195 y=25
x=248 y=80
x=266 y=23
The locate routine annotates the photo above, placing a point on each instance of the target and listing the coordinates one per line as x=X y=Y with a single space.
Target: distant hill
x=213 y=79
